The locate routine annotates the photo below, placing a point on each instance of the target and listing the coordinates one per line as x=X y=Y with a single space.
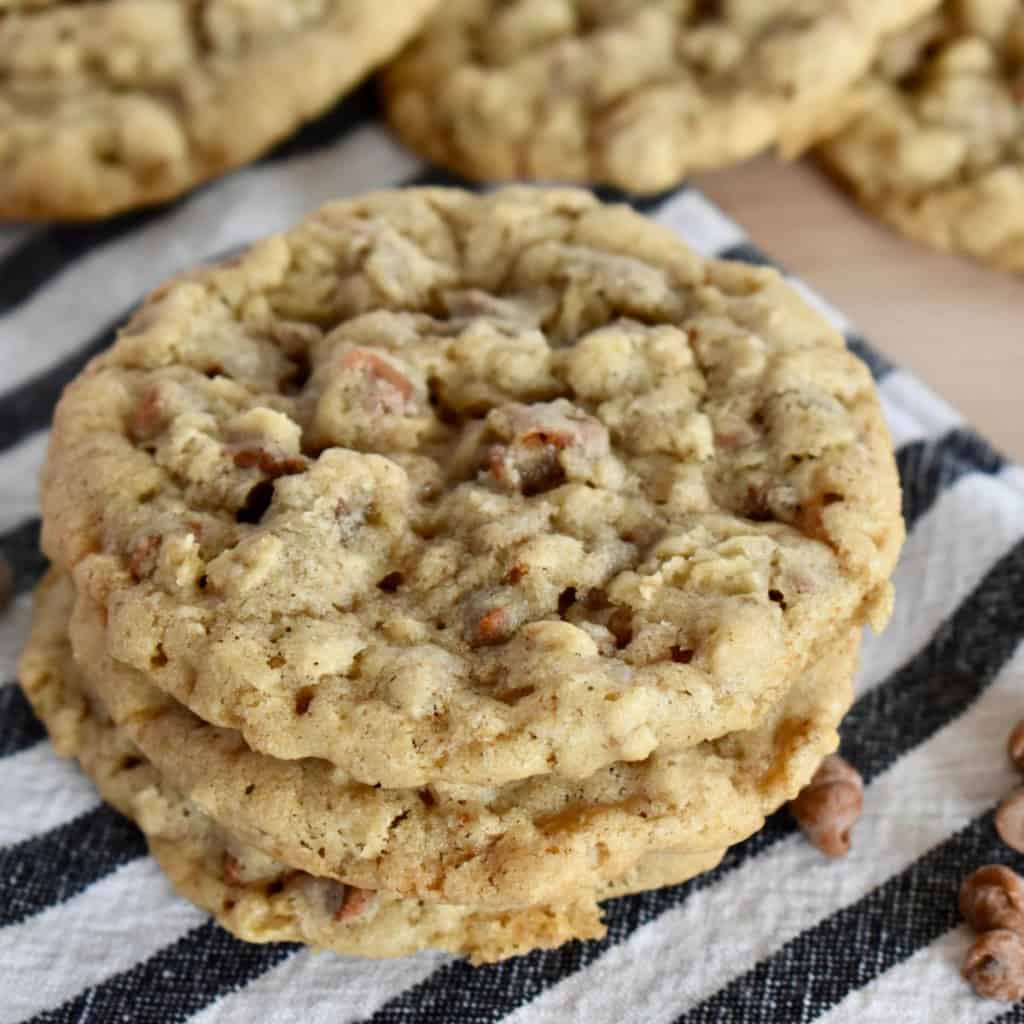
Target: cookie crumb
x=357 y=902
x=994 y=965
x=494 y=627
x=830 y=805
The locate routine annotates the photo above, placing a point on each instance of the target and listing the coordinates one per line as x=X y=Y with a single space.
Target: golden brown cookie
x=533 y=530
x=939 y=151
x=519 y=844
x=105 y=106
x=634 y=94
x=448 y=487
x=263 y=900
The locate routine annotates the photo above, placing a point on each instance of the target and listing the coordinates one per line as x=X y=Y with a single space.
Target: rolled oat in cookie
x=939 y=151
x=261 y=899
x=520 y=843
x=634 y=93
x=105 y=106
x=442 y=487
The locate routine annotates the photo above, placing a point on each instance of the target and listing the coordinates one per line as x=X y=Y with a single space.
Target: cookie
x=263 y=900
x=448 y=487
x=518 y=844
x=629 y=94
x=939 y=151
x=109 y=106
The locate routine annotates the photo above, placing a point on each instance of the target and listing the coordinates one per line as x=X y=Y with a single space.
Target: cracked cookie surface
x=629 y=94
x=939 y=151
x=447 y=487
x=518 y=844
x=105 y=106
x=263 y=900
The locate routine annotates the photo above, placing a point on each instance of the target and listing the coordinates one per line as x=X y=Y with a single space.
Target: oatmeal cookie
x=634 y=94
x=263 y=900
x=448 y=487
x=105 y=106
x=939 y=151
x=518 y=844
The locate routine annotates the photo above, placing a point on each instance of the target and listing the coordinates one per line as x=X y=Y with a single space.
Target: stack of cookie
x=451 y=563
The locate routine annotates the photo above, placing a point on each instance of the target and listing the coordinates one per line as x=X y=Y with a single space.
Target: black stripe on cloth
x=646 y=204
x=56 y=865
x=931 y=690
x=48 y=252
x=876 y=362
x=930 y=466
x=941 y=681
x=181 y=979
x=19 y=727
x=850 y=948
x=747 y=252
x=20 y=548
x=29 y=407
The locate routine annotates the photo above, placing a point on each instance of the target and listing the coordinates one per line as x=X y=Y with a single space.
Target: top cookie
x=939 y=153
x=440 y=486
x=633 y=94
x=107 y=106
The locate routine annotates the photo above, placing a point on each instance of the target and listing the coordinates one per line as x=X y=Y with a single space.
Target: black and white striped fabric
x=90 y=931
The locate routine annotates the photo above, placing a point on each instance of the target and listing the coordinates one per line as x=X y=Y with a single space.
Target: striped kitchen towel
x=90 y=931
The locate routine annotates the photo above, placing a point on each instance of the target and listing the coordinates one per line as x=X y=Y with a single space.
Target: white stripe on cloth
x=915 y=400
x=930 y=589
x=721 y=932
x=19 y=479
x=238 y=209
x=1014 y=476
x=925 y=987
x=703 y=226
x=119 y=920
x=823 y=306
x=40 y=792
x=912 y=412
x=320 y=988
x=14 y=626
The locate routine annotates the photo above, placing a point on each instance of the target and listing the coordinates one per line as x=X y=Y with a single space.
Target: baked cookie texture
x=263 y=900
x=106 y=106
x=939 y=151
x=632 y=94
x=451 y=563
x=522 y=843
x=462 y=489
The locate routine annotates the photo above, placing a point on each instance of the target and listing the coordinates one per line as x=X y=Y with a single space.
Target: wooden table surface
x=958 y=325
